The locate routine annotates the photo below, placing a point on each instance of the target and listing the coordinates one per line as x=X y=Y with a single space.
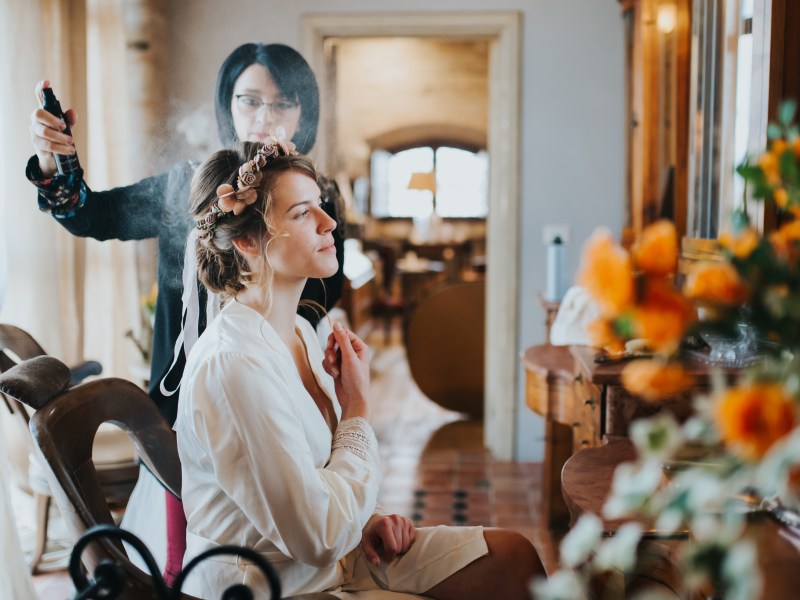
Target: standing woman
x=259 y=88
x=276 y=451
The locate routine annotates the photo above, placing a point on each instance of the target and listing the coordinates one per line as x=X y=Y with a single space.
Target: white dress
x=258 y=470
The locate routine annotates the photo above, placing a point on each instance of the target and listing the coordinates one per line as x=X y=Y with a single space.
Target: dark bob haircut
x=291 y=74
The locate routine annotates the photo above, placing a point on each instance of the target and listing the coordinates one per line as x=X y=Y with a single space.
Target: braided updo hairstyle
x=220 y=266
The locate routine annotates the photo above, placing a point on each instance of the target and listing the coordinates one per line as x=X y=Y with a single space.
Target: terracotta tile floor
x=435 y=468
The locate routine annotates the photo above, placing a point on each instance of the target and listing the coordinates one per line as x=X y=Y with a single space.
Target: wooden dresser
x=582 y=402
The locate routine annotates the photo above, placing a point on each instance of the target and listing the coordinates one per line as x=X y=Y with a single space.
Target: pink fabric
x=176 y=538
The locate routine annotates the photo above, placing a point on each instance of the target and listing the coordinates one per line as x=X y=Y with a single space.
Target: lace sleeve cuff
x=356 y=436
x=61 y=195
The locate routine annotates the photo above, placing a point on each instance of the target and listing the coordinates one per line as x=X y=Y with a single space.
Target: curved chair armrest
x=83 y=370
x=36 y=381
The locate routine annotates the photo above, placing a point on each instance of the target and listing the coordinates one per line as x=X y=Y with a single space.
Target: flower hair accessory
x=234 y=201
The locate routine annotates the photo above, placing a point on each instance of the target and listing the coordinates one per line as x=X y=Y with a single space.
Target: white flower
x=562 y=585
x=581 y=541
x=656 y=438
x=773 y=472
x=633 y=486
x=619 y=552
x=740 y=572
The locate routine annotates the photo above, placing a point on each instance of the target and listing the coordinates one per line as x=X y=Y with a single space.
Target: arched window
x=460 y=189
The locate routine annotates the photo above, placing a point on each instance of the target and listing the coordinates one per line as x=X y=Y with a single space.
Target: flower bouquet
x=747 y=430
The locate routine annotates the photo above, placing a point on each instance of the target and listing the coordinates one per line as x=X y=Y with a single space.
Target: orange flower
x=663 y=316
x=716 y=283
x=778 y=147
x=781 y=197
x=657 y=251
x=603 y=336
x=752 y=418
x=654 y=380
x=790 y=231
x=606 y=273
x=785 y=241
x=741 y=245
x=770 y=164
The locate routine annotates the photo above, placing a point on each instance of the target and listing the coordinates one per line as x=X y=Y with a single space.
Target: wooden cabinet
x=570 y=411
x=582 y=402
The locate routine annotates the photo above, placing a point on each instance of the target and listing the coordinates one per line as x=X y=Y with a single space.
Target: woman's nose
x=264 y=115
x=326 y=222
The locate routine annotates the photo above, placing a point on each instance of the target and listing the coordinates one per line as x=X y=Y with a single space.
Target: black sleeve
x=131 y=212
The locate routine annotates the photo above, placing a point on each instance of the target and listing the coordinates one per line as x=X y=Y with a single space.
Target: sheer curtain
x=76 y=297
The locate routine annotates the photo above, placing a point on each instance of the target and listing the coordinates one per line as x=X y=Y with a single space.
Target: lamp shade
x=423 y=181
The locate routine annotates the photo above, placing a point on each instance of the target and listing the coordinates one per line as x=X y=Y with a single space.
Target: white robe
x=258 y=469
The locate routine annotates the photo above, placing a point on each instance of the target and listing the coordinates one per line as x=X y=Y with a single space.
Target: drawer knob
x=579 y=378
x=589 y=402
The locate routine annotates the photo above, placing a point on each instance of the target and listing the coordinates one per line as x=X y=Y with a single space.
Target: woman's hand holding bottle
x=347 y=361
x=47 y=134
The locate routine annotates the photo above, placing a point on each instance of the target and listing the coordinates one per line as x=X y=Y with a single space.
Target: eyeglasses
x=251 y=104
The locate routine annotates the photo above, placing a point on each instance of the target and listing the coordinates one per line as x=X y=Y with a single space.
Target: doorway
x=502 y=32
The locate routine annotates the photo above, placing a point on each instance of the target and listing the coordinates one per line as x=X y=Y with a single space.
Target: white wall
x=572 y=113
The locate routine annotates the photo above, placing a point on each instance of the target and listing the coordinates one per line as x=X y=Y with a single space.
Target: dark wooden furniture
x=445 y=346
x=63 y=427
x=357 y=301
x=549 y=377
x=582 y=401
x=586 y=483
x=117 y=477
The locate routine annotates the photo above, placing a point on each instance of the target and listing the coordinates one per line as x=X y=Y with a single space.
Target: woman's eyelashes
x=305 y=212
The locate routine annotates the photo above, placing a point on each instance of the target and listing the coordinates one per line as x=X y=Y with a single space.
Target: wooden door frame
x=503 y=30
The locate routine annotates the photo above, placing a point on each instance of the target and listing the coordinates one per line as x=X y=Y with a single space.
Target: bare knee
x=516 y=554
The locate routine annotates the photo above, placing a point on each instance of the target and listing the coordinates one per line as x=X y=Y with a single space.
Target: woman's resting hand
x=47 y=134
x=387 y=537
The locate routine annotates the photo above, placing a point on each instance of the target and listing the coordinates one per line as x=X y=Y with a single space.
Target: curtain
x=77 y=297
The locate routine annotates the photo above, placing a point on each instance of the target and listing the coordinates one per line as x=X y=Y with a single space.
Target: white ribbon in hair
x=190 y=314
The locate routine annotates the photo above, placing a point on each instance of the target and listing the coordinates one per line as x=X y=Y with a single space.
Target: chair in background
x=63 y=425
x=445 y=346
x=386 y=305
x=114 y=455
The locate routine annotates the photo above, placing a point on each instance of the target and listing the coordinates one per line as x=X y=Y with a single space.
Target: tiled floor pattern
x=435 y=469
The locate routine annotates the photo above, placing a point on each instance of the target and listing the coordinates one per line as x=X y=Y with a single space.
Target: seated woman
x=276 y=450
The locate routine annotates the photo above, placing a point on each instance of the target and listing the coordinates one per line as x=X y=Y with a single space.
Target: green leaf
x=739 y=220
x=749 y=171
x=788 y=166
x=786 y=112
x=774 y=131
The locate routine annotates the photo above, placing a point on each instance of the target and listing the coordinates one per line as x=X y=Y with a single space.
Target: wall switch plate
x=551 y=232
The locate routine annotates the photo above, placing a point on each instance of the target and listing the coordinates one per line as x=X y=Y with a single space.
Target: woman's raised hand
x=347 y=361
x=47 y=134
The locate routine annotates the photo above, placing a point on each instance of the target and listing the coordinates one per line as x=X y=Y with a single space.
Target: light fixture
x=667 y=17
x=423 y=181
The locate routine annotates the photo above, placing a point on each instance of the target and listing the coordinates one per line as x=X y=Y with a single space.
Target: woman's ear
x=248 y=246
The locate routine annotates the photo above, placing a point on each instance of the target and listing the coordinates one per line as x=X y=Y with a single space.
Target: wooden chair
x=117 y=464
x=63 y=426
x=445 y=346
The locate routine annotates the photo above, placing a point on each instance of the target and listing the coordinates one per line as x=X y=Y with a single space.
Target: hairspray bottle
x=66 y=163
